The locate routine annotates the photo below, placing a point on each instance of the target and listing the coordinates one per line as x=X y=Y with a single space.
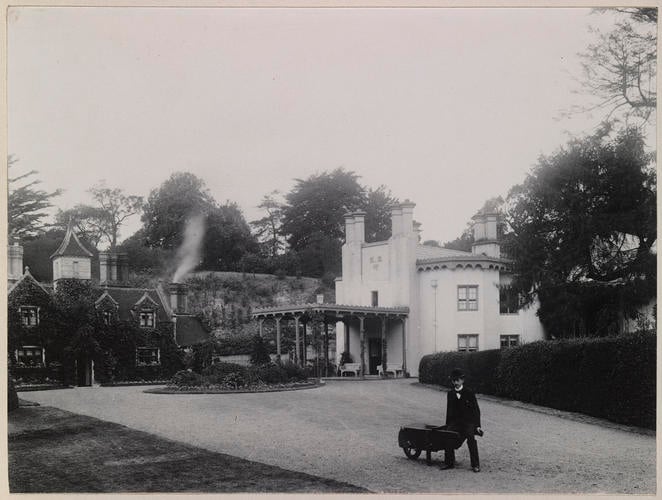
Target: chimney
x=178 y=298
x=104 y=271
x=359 y=226
x=14 y=262
x=396 y=221
x=122 y=267
x=407 y=217
x=349 y=228
x=485 y=234
x=417 y=230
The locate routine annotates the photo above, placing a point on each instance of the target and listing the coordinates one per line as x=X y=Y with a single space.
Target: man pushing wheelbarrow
x=462 y=423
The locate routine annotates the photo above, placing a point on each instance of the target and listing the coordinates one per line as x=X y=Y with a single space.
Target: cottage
x=141 y=329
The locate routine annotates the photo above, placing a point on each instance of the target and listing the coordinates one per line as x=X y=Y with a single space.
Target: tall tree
x=313 y=217
x=168 y=207
x=620 y=68
x=583 y=224
x=268 y=228
x=227 y=238
x=26 y=205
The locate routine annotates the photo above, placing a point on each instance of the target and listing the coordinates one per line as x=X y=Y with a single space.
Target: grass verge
x=55 y=451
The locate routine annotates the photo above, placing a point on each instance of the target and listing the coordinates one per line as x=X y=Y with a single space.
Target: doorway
x=83 y=371
x=374 y=355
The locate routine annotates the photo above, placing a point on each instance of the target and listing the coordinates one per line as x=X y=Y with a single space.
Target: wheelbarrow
x=416 y=438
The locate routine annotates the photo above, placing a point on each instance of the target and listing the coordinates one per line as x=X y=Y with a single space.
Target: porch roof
x=332 y=311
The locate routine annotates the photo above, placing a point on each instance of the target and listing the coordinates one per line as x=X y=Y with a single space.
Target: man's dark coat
x=462 y=413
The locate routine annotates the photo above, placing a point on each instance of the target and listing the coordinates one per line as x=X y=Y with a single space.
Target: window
x=75 y=269
x=467 y=298
x=146 y=356
x=467 y=342
x=29 y=315
x=509 y=341
x=375 y=298
x=30 y=355
x=146 y=319
x=508 y=300
x=106 y=317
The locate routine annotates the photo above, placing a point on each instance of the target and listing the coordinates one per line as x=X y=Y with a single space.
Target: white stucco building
x=421 y=299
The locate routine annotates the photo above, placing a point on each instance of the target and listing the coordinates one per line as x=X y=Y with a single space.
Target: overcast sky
x=446 y=107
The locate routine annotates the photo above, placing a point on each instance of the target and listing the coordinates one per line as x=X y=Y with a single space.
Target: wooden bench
x=354 y=368
x=390 y=368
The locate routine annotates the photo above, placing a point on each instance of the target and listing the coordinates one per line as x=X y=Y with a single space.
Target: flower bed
x=225 y=389
x=122 y=383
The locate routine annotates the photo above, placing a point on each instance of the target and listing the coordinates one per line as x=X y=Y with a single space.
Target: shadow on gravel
x=55 y=451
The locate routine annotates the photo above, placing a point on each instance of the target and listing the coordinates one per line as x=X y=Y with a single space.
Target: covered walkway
x=351 y=317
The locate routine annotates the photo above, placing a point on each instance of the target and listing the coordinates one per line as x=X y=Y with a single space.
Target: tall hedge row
x=612 y=377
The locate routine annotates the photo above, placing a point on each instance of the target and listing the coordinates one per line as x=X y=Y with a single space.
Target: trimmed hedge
x=611 y=377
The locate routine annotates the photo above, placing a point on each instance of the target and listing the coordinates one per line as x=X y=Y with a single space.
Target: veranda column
x=384 y=346
x=296 y=339
x=345 y=323
x=326 y=348
x=260 y=322
x=362 y=337
x=277 y=318
x=404 y=345
x=304 y=354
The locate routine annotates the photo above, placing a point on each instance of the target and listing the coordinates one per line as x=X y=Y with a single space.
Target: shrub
x=610 y=377
x=269 y=373
x=216 y=373
x=259 y=351
x=185 y=378
x=235 y=380
x=294 y=372
x=346 y=357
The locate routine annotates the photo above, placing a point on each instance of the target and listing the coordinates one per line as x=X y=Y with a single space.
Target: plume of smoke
x=188 y=254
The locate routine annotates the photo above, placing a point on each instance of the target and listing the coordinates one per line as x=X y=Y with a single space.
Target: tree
x=619 y=69
x=26 y=205
x=268 y=228
x=168 y=208
x=377 y=206
x=313 y=217
x=227 y=238
x=583 y=224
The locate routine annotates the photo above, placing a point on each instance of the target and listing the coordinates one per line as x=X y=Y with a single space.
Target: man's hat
x=457 y=373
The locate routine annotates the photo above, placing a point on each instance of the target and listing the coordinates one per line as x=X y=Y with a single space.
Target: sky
x=446 y=107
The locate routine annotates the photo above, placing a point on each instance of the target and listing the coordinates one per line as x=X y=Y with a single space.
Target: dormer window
x=107 y=317
x=147 y=318
x=29 y=315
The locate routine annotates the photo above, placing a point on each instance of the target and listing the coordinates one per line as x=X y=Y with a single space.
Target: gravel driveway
x=347 y=430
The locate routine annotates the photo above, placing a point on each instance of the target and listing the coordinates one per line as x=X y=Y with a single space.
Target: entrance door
x=83 y=371
x=374 y=355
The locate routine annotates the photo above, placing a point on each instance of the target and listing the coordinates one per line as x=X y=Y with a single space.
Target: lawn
x=55 y=451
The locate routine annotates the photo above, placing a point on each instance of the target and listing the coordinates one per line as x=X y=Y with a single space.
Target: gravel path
x=347 y=431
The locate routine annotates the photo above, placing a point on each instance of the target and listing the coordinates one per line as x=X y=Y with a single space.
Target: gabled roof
x=107 y=296
x=189 y=330
x=128 y=301
x=27 y=278
x=71 y=246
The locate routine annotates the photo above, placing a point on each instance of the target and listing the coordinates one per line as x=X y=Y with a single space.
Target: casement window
x=148 y=356
x=30 y=355
x=107 y=317
x=147 y=318
x=467 y=298
x=509 y=341
x=29 y=315
x=374 y=296
x=509 y=301
x=467 y=342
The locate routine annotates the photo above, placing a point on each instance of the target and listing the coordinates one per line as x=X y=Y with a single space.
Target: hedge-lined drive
x=610 y=377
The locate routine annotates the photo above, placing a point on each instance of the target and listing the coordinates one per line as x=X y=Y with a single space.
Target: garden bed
x=124 y=383
x=211 y=389
x=40 y=387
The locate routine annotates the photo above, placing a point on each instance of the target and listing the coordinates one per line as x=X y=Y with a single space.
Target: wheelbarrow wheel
x=412 y=453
